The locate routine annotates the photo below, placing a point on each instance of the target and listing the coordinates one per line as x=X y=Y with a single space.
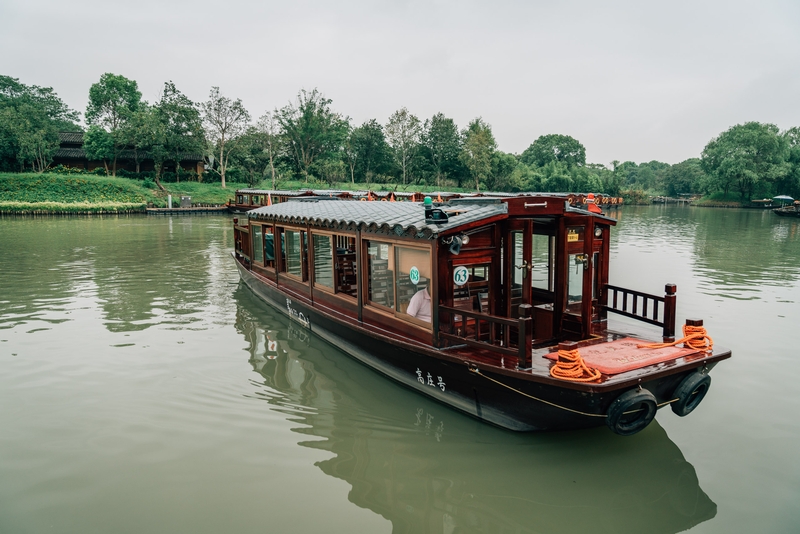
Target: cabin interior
x=499 y=288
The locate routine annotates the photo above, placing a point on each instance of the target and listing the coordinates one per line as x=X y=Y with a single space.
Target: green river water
x=143 y=390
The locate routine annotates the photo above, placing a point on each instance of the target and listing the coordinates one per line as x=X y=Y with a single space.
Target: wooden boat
x=479 y=303
x=788 y=211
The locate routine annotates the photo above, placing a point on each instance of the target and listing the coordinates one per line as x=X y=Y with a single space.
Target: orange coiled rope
x=694 y=337
x=570 y=366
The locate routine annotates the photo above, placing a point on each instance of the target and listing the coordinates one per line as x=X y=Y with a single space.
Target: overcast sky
x=631 y=80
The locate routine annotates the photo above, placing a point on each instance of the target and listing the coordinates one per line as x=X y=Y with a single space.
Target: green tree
x=226 y=120
x=501 y=177
x=268 y=128
x=372 y=153
x=182 y=123
x=745 y=155
x=99 y=145
x=403 y=135
x=555 y=147
x=477 y=150
x=443 y=143
x=313 y=132
x=30 y=119
x=684 y=178
x=790 y=183
x=112 y=102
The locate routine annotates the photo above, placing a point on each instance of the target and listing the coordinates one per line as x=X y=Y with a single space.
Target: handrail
x=497 y=328
x=643 y=306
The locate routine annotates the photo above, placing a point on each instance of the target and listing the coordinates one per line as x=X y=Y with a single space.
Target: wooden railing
x=644 y=307
x=489 y=332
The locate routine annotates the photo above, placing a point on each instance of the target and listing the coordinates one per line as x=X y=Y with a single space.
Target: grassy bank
x=57 y=193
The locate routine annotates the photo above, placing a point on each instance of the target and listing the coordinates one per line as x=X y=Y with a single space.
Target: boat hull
x=480 y=391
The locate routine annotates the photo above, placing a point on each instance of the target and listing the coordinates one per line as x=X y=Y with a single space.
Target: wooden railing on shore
x=489 y=332
x=643 y=306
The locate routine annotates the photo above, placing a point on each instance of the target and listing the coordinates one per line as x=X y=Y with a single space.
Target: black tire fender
x=631 y=412
x=690 y=392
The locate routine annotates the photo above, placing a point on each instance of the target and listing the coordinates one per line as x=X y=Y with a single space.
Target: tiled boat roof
x=399 y=218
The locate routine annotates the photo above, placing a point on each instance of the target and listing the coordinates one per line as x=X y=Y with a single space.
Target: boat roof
x=401 y=218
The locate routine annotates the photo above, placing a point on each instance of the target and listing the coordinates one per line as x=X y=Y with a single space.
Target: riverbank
x=28 y=193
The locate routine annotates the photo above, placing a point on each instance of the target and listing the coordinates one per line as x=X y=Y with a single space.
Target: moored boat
x=497 y=307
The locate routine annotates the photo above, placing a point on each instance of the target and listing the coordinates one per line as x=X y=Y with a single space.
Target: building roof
x=399 y=218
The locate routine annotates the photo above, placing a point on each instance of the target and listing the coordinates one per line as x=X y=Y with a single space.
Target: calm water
x=143 y=390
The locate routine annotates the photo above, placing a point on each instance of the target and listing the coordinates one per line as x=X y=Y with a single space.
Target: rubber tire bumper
x=642 y=405
x=690 y=392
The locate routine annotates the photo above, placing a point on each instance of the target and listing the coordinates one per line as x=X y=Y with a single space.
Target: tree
x=112 y=102
x=313 y=133
x=269 y=131
x=684 y=177
x=555 y=147
x=367 y=150
x=443 y=143
x=501 y=177
x=30 y=119
x=403 y=135
x=99 y=145
x=226 y=121
x=746 y=154
x=183 y=126
x=790 y=183
x=477 y=150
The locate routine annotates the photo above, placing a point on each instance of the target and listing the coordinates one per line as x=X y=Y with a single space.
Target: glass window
x=542 y=259
x=295 y=249
x=258 y=245
x=575 y=275
x=269 y=248
x=345 y=265
x=381 y=277
x=323 y=260
x=413 y=268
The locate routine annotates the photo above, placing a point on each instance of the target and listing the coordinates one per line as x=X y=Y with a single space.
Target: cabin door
x=519 y=265
x=530 y=273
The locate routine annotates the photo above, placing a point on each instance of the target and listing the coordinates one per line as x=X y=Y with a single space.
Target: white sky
x=631 y=80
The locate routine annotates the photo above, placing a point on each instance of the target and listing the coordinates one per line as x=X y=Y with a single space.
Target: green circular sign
x=413 y=275
x=460 y=275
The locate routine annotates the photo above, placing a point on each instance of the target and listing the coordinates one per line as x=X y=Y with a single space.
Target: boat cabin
x=499 y=275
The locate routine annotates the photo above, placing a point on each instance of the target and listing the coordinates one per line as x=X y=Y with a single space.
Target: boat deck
x=615 y=354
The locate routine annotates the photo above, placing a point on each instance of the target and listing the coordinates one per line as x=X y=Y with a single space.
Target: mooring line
x=478 y=371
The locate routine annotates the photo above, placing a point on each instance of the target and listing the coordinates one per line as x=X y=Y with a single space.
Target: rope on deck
x=694 y=337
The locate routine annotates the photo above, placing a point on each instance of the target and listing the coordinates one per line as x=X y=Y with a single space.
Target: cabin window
x=258 y=244
x=294 y=244
x=413 y=268
x=543 y=259
x=472 y=291
x=323 y=260
x=344 y=248
x=398 y=278
x=255 y=199
x=381 y=277
x=269 y=248
x=575 y=278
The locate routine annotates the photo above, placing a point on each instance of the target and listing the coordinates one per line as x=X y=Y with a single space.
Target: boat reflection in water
x=429 y=469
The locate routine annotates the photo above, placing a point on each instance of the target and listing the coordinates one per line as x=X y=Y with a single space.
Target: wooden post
x=525 y=335
x=669 y=312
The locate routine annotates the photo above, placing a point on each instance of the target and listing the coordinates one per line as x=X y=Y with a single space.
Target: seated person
x=420 y=305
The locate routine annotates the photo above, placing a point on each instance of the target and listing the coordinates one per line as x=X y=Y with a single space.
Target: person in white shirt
x=420 y=305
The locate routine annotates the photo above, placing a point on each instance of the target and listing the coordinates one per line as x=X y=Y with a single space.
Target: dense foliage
x=310 y=142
